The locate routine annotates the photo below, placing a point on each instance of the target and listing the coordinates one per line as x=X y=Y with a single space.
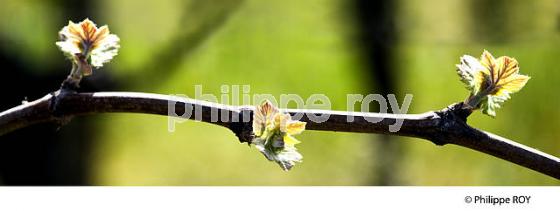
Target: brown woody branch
x=447 y=126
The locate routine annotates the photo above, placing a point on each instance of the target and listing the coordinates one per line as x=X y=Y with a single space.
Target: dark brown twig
x=447 y=126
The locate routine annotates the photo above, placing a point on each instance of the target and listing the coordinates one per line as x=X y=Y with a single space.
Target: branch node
x=70 y=84
x=243 y=129
x=459 y=110
x=59 y=117
x=453 y=120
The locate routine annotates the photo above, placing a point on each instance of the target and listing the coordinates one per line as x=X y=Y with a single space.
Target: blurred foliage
x=301 y=47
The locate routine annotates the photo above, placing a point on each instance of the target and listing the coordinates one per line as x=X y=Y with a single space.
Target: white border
x=270 y=198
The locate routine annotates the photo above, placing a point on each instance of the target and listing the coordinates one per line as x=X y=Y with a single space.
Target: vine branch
x=446 y=126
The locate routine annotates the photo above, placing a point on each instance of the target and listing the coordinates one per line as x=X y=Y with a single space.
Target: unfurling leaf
x=86 y=45
x=274 y=132
x=490 y=81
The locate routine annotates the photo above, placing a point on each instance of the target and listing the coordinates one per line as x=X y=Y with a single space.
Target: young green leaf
x=86 y=45
x=490 y=81
x=274 y=132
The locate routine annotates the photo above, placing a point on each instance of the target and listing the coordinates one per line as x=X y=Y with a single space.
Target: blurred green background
x=331 y=47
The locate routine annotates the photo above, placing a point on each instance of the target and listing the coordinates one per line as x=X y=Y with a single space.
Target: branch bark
x=447 y=126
